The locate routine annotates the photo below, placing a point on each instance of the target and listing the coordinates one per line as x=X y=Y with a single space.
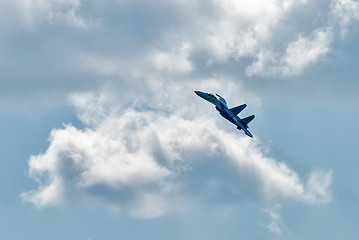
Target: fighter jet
x=228 y=113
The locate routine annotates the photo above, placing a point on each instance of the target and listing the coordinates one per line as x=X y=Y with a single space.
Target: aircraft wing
x=248 y=133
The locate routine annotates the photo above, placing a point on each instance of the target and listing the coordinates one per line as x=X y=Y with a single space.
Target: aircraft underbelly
x=227 y=116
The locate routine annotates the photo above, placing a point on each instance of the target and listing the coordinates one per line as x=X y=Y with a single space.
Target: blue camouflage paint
x=229 y=114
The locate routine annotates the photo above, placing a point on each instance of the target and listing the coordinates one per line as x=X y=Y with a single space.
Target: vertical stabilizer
x=238 y=109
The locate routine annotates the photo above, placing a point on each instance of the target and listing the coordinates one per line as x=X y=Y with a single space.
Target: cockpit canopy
x=221 y=99
x=218 y=97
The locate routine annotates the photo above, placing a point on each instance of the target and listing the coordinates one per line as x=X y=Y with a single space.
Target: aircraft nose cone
x=202 y=95
x=199 y=93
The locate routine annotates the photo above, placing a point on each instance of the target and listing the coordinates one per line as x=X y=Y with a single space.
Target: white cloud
x=242 y=28
x=259 y=31
x=276 y=224
x=154 y=61
x=318 y=184
x=175 y=61
x=299 y=54
x=265 y=64
x=346 y=11
x=305 y=51
x=226 y=30
x=235 y=30
x=52 y=11
x=146 y=162
x=254 y=34
x=262 y=37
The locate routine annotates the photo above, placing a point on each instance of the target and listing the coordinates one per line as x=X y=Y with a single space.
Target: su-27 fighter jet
x=228 y=113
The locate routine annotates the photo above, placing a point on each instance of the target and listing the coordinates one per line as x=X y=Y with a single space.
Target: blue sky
x=103 y=137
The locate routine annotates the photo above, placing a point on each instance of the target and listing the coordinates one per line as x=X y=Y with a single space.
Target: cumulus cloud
x=238 y=31
x=176 y=61
x=146 y=157
x=305 y=51
x=139 y=44
x=242 y=30
x=226 y=31
x=299 y=54
x=150 y=162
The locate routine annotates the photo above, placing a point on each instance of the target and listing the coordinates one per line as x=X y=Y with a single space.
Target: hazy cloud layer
x=152 y=162
x=257 y=35
x=346 y=13
x=71 y=46
x=61 y=12
x=275 y=223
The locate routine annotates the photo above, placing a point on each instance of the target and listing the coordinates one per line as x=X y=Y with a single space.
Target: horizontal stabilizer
x=238 y=109
x=247 y=120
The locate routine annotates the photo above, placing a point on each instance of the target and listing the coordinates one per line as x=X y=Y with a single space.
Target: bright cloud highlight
x=147 y=162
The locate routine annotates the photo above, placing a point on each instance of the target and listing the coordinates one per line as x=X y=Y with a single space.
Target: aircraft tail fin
x=238 y=109
x=247 y=120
